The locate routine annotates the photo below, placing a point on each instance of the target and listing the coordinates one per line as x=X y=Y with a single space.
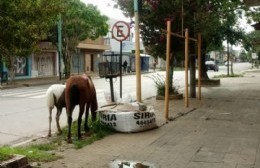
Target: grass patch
x=5 y=154
x=97 y=131
x=226 y=76
x=34 y=153
x=45 y=152
x=159 y=81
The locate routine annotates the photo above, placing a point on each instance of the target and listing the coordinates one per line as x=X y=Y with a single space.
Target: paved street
x=220 y=131
x=25 y=107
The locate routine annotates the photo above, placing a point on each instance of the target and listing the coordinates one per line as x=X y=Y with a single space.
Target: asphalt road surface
x=24 y=115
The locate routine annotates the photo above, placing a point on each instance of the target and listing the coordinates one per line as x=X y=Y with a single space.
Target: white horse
x=55 y=96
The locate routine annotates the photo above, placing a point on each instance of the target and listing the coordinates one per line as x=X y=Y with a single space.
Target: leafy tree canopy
x=79 y=22
x=216 y=20
x=23 y=24
x=252 y=39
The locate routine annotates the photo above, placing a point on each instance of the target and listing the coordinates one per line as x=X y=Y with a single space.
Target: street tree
x=23 y=24
x=210 y=18
x=251 y=43
x=251 y=40
x=79 y=22
x=244 y=56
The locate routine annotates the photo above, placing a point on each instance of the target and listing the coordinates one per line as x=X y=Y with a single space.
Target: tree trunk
x=67 y=62
x=204 y=75
x=171 y=85
x=11 y=69
x=192 y=76
x=228 y=58
x=68 y=66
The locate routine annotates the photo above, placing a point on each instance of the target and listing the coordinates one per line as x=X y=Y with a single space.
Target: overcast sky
x=106 y=7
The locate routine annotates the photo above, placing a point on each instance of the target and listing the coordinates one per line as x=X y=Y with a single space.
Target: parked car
x=211 y=65
x=228 y=63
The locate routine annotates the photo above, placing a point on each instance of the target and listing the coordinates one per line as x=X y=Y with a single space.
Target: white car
x=211 y=65
x=228 y=63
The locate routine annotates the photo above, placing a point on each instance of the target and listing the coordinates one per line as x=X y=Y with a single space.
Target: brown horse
x=81 y=91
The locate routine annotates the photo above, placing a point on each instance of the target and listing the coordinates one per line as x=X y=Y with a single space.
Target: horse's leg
x=69 y=128
x=69 y=115
x=81 y=111
x=86 y=128
x=50 y=118
x=94 y=107
x=59 y=110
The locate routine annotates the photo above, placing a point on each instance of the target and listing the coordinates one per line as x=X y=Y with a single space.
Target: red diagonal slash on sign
x=119 y=31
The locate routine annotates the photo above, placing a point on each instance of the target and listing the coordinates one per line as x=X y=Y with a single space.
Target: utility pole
x=228 y=58
x=60 y=44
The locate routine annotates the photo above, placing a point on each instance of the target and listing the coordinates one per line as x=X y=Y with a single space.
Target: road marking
x=36 y=93
x=23 y=93
x=14 y=92
x=31 y=94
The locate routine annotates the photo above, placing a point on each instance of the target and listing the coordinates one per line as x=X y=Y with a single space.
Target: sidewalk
x=32 y=82
x=220 y=131
x=43 y=81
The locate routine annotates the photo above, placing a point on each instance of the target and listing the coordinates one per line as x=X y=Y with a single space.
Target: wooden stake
x=137 y=54
x=168 y=47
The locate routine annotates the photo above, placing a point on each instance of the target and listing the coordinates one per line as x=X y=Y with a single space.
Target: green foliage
x=43 y=152
x=97 y=132
x=245 y=57
x=5 y=153
x=226 y=76
x=79 y=22
x=23 y=24
x=33 y=153
x=159 y=82
x=211 y=18
x=216 y=20
x=251 y=39
x=253 y=15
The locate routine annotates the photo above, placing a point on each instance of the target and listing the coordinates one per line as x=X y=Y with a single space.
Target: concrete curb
x=18 y=161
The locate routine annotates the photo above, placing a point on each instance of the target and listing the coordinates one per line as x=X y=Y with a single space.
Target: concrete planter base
x=171 y=97
x=209 y=82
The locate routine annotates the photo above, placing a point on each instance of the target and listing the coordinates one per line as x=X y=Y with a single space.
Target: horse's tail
x=50 y=98
x=61 y=101
x=94 y=103
x=74 y=95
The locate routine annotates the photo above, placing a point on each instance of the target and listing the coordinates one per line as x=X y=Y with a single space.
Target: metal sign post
x=120 y=32
x=120 y=68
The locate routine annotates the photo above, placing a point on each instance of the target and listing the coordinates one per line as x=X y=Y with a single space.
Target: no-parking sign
x=120 y=31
